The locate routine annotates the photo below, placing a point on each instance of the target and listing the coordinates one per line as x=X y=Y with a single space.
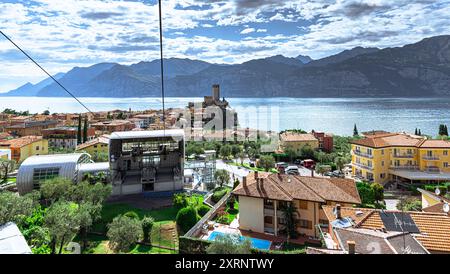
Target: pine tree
x=85 y=129
x=355 y=131
x=79 y=130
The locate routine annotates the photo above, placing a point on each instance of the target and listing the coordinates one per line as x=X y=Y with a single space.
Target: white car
x=292 y=170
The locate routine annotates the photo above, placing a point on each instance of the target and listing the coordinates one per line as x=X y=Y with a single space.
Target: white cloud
x=261 y=30
x=247 y=30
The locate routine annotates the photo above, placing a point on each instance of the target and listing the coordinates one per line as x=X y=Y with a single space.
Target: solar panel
x=399 y=221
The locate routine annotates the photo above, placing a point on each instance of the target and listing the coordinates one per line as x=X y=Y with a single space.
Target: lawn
x=110 y=211
x=100 y=245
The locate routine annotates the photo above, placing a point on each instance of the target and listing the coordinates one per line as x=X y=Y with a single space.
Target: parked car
x=281 y=164
x=328 y=173
x=308 y=163
x=338 y=173
x=292 y=170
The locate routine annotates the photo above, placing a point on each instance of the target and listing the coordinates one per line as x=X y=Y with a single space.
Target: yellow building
x=400 y=157
x=263 y=197
x=296 y=141
x=24 y=147
x=96 y=146
x=5 y=154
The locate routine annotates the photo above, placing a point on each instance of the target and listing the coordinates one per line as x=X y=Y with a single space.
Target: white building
x=146 y=161
x=12 y=241
x=36 y=169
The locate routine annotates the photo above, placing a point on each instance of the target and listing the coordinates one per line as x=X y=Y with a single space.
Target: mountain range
x=415 y=70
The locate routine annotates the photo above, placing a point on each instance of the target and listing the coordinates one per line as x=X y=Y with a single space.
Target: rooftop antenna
x=162 y=66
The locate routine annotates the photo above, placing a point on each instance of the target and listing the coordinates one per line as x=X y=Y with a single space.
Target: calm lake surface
x=321 y=114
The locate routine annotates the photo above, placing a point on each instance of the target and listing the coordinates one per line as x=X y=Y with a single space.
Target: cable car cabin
x=146 y=161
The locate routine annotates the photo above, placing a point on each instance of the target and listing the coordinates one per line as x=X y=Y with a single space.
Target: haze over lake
x=322 y=114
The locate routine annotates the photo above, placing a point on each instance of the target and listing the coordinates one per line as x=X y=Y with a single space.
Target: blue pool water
x=256 y=243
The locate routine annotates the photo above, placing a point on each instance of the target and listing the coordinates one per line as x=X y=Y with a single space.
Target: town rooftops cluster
x=294 y=187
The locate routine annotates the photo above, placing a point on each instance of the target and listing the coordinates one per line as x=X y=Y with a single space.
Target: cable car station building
x=146 y=161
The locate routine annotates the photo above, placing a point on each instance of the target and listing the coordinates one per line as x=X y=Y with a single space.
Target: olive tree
x=267 y=162
x=229 y=244
x=15 y=208
x=6 y=167
x=62 y=221
x=222 y=177
x=123 y=232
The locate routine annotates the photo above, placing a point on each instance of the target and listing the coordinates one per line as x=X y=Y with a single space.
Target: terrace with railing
x=362 y=154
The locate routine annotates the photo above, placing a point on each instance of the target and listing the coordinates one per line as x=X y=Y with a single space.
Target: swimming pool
x=256 y=243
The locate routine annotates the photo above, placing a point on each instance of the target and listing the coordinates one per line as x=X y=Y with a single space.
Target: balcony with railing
x=362 y=154
x=432 y=169
x=430 y=157
x=403 y=155
x=404 y=167
x=363 y=166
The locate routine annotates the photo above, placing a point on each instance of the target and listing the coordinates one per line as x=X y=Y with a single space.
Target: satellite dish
x=437 y=191
x=446 y=208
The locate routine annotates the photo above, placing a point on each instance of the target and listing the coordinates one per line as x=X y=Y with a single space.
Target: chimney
x=256 y=175
x=351 y=247
x=244 y=181
x=337 y=211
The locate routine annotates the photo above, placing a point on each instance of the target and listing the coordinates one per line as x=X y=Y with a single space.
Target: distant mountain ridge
x=415 y=70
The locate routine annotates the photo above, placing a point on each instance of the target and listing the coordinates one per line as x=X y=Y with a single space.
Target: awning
x=421 y=175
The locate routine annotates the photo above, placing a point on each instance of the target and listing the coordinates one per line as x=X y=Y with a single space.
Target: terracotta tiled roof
x=99 y=140
x=435 y=144
x=390 y=139
x=21 y=142
x=293 y=187
x=297 y=137
x=434 y=227
x=436 y=208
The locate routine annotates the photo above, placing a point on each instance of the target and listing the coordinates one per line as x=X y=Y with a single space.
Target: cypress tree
x=420 y=133
x=445 y=130
x=355 y=131
x=79 y=130
x=85 y=129
x=416 y=132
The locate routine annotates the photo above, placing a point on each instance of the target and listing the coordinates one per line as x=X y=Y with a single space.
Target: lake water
x=321 y=114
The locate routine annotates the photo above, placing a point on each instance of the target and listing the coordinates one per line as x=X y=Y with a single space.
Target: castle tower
x=216 y=92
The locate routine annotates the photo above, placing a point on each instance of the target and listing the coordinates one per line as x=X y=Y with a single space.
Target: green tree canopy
x=229 y=244
x=267 y=162
x=123 y=232
x=62 y=222
x=186 y=218
x=222 y=177
x=15 y=208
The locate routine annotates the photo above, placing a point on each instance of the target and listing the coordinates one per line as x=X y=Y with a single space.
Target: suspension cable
x=45 y=71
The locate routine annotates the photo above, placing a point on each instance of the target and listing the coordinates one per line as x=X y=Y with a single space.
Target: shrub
x=123 y=232
x=147 y=225
x=132 y=215
x=218 y=194
x=202 y=210
x=180 y=200
x=186 y=218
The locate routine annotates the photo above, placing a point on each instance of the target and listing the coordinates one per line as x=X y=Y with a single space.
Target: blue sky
x=64 y=34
